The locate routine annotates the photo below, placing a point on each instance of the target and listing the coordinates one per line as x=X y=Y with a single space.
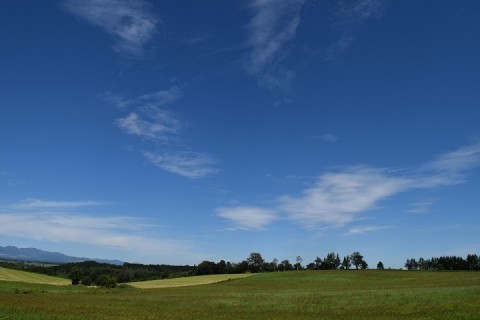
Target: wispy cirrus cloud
x=421 y=206
x=48 y=204
x=350 y=16
x=150 y=122
x=187 y=164
x=147 y=118
x=247 y=217
x=337 y=198
x=130 y=23
x=43 y=220
x=272 y=27
x=340 y=197
x=364 y=229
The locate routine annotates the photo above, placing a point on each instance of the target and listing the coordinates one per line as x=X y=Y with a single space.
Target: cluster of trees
x=255 y=263
x=105 y=274
x=332 y=261
x=471 y=263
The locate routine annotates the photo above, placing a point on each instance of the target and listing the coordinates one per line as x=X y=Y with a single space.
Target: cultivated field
x=283 y=295
x=187 y=281
x=22 y=276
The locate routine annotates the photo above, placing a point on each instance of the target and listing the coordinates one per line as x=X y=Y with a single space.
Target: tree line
x=109 y=275
x=471 y=263
x=255 y=263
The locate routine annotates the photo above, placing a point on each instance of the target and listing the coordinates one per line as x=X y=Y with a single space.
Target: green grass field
x=283 y=295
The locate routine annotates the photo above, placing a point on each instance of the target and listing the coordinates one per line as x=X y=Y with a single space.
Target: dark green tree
x=380 y=265
x=106 y=281
x=75 y=275
x=255 y=262
x=285 y=265
x=357 y=260
x=346 y=264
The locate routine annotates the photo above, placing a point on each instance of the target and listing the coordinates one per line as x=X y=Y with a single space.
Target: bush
x=87 y=281
x=106 y=281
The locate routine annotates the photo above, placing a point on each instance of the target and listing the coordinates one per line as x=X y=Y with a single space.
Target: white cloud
x=131 y=23
x=364 y=229
x=274 y=25
x=162 y=97
x=459 y=160
x=188 y=164
x=247 y=218
x=150 y=122
x=45 y=204
x=120 y=233
x=337 y=198
x=341 y=197
x=421 y=206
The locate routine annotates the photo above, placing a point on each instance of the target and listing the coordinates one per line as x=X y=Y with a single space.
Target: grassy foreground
x=282 y=295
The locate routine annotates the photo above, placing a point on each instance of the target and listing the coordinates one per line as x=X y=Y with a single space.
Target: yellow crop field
x=187 y=281
x=23 y=276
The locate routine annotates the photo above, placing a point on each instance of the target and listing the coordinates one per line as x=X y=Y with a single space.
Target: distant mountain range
x=37 y=255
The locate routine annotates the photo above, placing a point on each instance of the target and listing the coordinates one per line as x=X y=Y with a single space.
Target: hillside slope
x=23 y=276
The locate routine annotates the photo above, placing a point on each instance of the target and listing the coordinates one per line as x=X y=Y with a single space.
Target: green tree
x=299 y=262
x=275 y=264
x=285 y=265
x=380 y=265
x=255 y=262
x=106 y=281
x=357 y=260
x=346 y=264
x=75 y=275
x=87 y=281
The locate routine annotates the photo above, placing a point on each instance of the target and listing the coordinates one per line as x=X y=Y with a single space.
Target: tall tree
x=285 y=265
x=299 y=262
x=357 y=260
x=75 y=275
x=255 y=262
x=346 y=263
x=275 y=264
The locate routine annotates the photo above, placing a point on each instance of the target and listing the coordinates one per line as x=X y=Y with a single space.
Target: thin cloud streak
x=352 y=15
x=364 y=229
x=45 y=204
x=191 y=165
x=150 y=122
x=247 y=218
x=274 y=25
x=130 y=23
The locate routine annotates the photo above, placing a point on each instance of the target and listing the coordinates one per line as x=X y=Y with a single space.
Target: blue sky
x=181 y=131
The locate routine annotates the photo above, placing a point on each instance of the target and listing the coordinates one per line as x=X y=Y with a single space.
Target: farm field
x=23 y=276
x=339 y=294
x=187 y=281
